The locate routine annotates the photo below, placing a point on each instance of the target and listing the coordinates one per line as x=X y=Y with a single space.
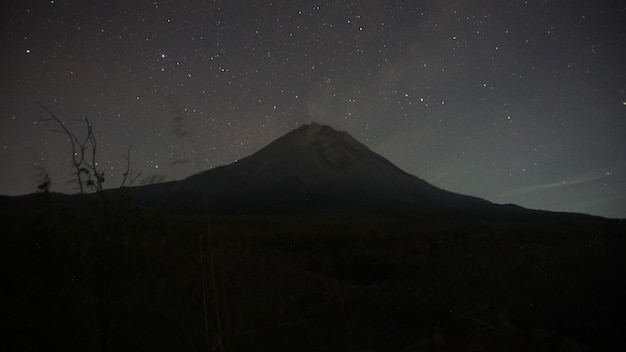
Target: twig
x=128 y=174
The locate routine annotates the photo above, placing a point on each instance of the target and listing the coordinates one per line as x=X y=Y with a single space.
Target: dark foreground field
x=130 y=279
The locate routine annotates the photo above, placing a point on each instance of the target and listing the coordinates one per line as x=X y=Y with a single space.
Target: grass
x=131 y=278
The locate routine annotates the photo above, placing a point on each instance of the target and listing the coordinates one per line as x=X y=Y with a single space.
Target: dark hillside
x=137 y=278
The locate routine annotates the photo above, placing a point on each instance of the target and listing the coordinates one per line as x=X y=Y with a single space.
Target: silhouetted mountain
x=315 y=167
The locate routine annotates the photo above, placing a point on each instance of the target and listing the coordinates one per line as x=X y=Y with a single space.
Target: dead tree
x=84 y=152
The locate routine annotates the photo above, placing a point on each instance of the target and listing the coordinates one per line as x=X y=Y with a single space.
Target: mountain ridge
x=312 y=167
x=316 y=166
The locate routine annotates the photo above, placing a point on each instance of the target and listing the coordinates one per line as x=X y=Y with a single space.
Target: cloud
x=587 y=178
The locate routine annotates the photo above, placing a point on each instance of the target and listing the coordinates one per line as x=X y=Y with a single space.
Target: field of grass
x=125 y=278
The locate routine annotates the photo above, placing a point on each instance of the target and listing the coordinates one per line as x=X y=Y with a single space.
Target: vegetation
x=83 y=158
x=137 y=278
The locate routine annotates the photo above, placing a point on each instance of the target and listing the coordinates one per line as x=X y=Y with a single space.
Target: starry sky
x=513 y=101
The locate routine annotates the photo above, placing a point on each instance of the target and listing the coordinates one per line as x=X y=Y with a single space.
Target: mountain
x=314 y=167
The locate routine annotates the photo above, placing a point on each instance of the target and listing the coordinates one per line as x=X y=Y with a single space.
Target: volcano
x=314 y=167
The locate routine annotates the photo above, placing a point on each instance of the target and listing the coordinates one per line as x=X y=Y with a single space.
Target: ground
x=127 y=278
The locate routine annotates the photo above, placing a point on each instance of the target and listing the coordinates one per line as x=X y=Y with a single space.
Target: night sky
x=513 y=101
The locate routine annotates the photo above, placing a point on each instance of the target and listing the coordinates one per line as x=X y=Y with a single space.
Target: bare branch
x=76 y=159
x=84 y=153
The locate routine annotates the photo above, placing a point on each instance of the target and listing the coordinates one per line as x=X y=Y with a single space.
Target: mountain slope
x=315 y=166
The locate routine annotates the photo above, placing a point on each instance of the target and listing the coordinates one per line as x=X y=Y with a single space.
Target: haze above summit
x=517 y=102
